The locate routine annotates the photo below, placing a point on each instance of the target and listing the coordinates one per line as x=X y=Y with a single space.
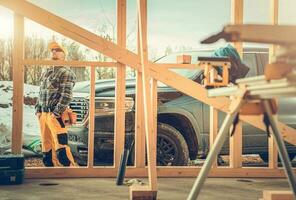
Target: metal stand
x=220 y=141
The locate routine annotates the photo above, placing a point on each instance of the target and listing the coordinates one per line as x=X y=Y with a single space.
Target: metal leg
x=281 y=147
x=222 y=135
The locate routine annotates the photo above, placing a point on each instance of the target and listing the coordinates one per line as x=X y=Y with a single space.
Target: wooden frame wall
x=146 y=71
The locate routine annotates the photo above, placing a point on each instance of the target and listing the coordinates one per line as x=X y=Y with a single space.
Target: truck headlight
x=106 y=105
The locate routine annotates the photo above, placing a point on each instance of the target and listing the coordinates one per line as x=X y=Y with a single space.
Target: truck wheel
x=172 y=149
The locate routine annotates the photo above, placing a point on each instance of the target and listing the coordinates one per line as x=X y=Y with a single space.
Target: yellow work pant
x=54 y=140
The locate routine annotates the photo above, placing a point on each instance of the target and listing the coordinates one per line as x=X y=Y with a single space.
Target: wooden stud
x=213 y=129
x=154 y=100
x=140 y=147
x=237 y=14
x=272 y=147
x=18 y=84
x=235 y=147
x=235 y=143
x=140 y=150
x=119 y=133
x=91 y=118
x=151 y=150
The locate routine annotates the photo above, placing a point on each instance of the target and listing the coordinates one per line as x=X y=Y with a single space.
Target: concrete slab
x=169 y=189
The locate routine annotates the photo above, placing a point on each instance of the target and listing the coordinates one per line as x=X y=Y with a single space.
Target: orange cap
x=54 y=45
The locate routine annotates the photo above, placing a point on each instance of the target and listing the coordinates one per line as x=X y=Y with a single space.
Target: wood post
x=272 y=147
x=154 y=100
x=237 y=15
x=235 y=144
x=119 y=133
x=18 y=84
x=140 y=147
x=151 y=150
x=91 y=118
x=213 y=129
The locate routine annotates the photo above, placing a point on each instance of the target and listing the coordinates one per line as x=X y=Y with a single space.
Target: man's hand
x=38 y=114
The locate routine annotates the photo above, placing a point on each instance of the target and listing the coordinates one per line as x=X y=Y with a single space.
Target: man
x=51 y=109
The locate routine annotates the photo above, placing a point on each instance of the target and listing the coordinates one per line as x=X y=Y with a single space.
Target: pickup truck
x=183 y=122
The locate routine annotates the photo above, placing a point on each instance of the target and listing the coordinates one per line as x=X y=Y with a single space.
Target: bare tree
x=74 y=53
x=35 y=48
x=5 y=60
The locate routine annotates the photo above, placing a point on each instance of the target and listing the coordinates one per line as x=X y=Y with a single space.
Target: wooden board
x=272 y=148
x=18 y=86
x=277 y=195
x=148 y=110
x=213 y=129
x=91 y=130
x=132 y=172
x=119 y=134
x=138 y=192
x=140 y=144
x=235 y=143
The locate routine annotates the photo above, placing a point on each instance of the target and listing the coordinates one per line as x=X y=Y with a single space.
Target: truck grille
x=80 y=107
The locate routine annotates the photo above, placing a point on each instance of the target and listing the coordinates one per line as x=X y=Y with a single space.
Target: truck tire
x=172 y=149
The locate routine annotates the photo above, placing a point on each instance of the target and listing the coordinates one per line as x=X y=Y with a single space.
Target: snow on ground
x=30 y=122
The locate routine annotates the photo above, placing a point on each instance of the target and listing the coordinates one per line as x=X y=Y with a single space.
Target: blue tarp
x=238 y=69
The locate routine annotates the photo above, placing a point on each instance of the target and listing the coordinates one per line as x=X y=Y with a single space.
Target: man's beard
x=54 y=58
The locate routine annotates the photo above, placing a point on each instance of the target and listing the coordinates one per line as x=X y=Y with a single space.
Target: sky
x=170 y=23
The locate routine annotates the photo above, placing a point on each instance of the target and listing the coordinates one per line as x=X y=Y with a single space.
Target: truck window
x=256 y=62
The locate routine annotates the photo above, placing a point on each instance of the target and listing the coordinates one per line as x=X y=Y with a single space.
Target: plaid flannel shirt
x=56 y=89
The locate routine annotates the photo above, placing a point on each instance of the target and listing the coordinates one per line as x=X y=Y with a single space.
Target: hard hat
x=54 y=45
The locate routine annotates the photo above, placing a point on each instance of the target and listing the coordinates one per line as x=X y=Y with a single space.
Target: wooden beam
x=148 y=109
x=272 y=147
x=119 y=134
x=268 y=34
x=72 y=63
x=154 y=102
x=18 y=84
x=140 y=144
x=112 y=50
x=213 y=129
x=278 y=195
x=91 y=118
x=236 y=147
x=235 y=143
x=140 y=151
x=132 y=172
x=237 y=15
